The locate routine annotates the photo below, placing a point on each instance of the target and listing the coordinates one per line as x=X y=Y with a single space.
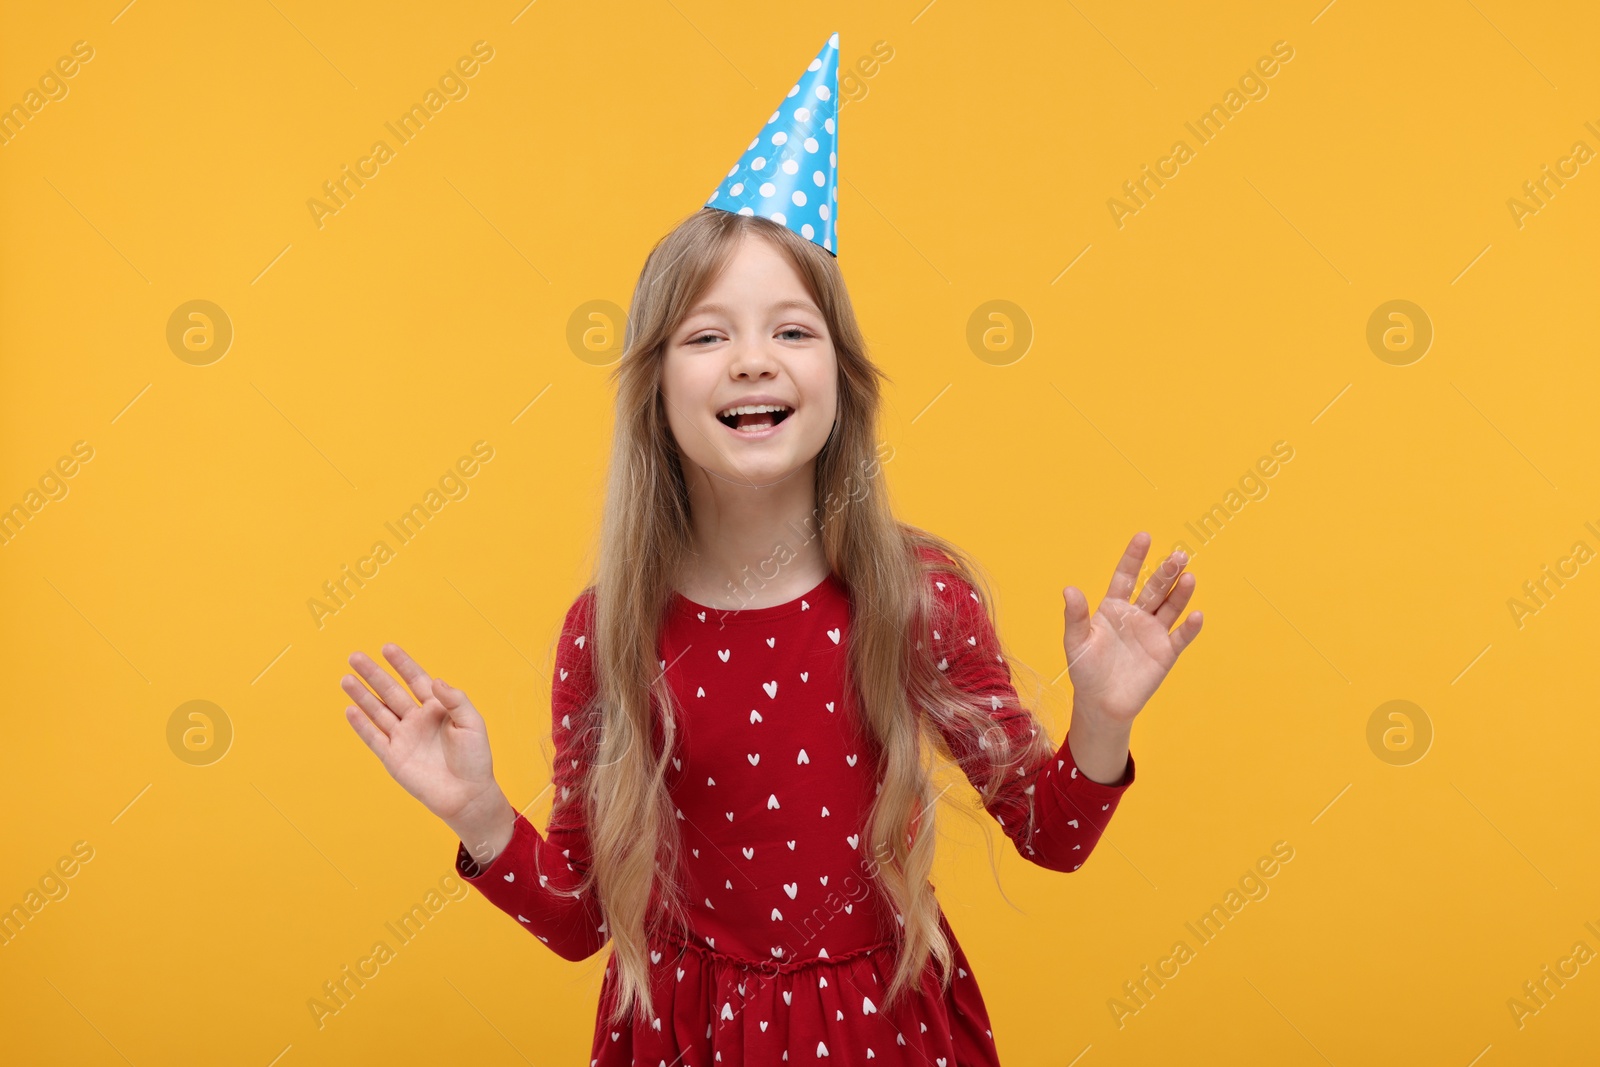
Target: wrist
x=1098 y=745
x=1089 y=719
x=485 y=826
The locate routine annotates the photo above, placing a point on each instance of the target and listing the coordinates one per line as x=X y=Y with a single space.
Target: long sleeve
x=533 y=876
x=1070 y=811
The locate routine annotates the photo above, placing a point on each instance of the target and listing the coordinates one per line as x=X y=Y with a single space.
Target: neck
x=753 y=547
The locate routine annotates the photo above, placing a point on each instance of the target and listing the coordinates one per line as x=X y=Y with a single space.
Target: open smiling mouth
x=753 y=418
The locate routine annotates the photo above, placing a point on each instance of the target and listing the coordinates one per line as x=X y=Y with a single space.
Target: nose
x=752 y=361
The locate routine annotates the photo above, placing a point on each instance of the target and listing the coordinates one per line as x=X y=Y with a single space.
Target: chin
x=762 y=473
x=754 y=465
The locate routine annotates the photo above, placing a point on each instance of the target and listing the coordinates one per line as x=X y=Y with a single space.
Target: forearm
x=1099 y=745
x=1070 y=806
x=537 y=878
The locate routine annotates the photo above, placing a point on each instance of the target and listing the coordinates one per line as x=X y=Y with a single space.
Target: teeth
x=751 y=409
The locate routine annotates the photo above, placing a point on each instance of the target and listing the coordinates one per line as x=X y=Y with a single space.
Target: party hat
x=790 y=172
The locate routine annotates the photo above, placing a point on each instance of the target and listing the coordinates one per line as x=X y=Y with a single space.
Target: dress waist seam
x=774 y=965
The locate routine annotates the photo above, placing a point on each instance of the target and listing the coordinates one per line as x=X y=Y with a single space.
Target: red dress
x=791 y=948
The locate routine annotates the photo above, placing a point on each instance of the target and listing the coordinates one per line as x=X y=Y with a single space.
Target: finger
x=1126 y=577
x=1159 y=584
x=455 y=702
x=416 y=678
x=1183 y=635
x=382 y=682
x=376 y=710
x=1076 y=616
x=1176 y=600
x=374 y=737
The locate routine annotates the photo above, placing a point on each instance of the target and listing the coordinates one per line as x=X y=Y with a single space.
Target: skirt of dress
x=714 y=1009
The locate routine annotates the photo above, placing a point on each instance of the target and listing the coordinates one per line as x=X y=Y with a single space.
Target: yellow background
x=1228 y=314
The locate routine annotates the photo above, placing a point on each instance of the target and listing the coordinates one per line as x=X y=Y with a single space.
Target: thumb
x=1076 y=616
x=456 y=704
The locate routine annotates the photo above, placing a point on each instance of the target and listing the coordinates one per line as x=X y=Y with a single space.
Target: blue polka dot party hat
x=790 y=172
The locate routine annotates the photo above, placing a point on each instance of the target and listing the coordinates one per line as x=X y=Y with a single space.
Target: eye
x=702 y=337
x=802 y=331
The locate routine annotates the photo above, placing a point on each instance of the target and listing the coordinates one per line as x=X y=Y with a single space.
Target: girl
x=742 y=697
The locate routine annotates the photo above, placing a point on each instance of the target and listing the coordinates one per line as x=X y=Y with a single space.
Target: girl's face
x=749 y=377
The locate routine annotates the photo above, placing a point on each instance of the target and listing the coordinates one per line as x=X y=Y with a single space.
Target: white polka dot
x=799 y=198
x=816 y=64
x=806 y=231
x=827 y=242
x=833 y=159
x=710 y=198
x=811 y=146
x=795 y=88
x=738 y=187
x=833 y=42
x=823 y=94
x=835 y=194
x=767 y=189
x=802 y=114
x=823 y=211
x=780 y=138
x=773 y=119
x=777 y=216
x=758 y=162
x=753 y=142
x=747 y=211
x=827 y=124
x=790 y=166
x=817 y=177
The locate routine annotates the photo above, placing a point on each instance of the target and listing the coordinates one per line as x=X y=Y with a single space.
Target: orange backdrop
x=1307 y=289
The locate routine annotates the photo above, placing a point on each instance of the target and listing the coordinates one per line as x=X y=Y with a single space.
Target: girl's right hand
x=437 y=750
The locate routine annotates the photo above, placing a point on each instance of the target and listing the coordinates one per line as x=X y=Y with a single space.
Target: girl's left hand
x=1120 y=656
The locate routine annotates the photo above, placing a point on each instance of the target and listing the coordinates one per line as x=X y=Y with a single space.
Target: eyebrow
x=720 y=309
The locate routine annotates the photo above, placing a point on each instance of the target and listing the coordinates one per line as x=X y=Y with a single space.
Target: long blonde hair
x=645 y=537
